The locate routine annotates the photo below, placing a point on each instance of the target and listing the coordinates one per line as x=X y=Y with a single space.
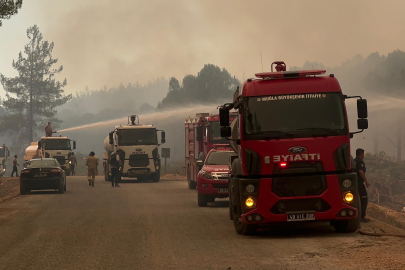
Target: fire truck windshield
x=215 y=133
x=57 y=144
x=140 y=136
x=219 y=158
x=295 y=116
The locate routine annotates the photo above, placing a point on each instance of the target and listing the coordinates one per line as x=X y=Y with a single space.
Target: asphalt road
x=160 y=226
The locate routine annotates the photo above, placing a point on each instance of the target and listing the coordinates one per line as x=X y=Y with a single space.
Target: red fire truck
x=202 y=133
x=293 y=144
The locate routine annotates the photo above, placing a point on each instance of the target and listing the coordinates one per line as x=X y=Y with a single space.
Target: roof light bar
x=290 y=74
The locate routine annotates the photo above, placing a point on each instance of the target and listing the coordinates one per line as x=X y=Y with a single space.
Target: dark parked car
x=43 y=173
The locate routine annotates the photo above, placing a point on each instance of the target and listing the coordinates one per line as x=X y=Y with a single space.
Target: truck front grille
x=315 y=204
x=299 y=186
x=61 y=160
x=140 y=160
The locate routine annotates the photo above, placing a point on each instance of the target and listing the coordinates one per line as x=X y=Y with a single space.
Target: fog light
x=250 y=188
x=343 y=213
x=351 y=213
x=347 y=183
x=157 y=167
x=249 y=202
x=349 y=197
x=249 y=218
x=257 y=218
x=204 y=185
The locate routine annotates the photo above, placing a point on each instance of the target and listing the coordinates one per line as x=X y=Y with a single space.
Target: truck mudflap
x=261 y=205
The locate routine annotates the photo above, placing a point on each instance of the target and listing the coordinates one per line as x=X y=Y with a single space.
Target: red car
x=212 y=180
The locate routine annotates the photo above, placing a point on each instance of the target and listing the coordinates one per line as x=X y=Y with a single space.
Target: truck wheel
x=351 y=225
x=242 y=228
x=23 y=190
x=61 y=188
x=65 y=184
x=156 y=177
x=202 y=200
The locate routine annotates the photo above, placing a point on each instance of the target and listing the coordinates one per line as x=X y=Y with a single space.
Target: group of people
x=92 y=163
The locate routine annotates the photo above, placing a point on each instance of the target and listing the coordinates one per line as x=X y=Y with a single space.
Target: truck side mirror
x=199 y=162
x=362 y=123
x=199 y=130
x=163 y=137
x=8 y=153
x=111 y=138
x=223 y=117
x=39 y=144
x=226 y=131
x=362 y=108
x=74 y=145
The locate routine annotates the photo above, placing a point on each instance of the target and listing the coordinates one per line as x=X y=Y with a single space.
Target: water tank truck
x=138 y=150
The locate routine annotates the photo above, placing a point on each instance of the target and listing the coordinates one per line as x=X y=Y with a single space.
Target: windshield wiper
x=324 y=131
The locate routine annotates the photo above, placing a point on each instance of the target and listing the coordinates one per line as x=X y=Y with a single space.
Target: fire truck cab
x=293 y=144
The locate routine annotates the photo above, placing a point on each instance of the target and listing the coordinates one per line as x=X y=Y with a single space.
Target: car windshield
x=219 y=158
x=141 y=136
x=45 y=163
x=214 y=129
x=294 y=116
x=57 y=144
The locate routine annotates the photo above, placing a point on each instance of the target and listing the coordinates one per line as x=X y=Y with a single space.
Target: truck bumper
x=219 y=189
x=136 y=172
x=327 y=206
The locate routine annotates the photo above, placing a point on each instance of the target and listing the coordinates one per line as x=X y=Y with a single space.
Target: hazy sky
x=108 y=42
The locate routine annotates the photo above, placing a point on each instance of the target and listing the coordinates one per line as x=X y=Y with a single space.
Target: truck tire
x=156 y=177
x=65 y=184
x=202 y=200
x=351 y=225
x=242 y=228
x=23 y=190
x=191 y=184
x=61 y=188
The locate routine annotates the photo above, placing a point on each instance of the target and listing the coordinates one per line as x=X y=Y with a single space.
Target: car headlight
x=205 y=174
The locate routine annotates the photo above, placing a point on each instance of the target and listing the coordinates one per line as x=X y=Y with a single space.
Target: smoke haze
x=106 y=42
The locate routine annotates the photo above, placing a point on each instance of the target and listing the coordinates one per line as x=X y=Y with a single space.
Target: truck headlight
x=206 y=175
x=348 y=197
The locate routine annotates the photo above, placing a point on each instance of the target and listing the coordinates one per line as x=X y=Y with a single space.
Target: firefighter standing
x=15 y=164
x=73 y=163
x=92 y=162
x=48 y=130
x=362 y=183
x=115 y=168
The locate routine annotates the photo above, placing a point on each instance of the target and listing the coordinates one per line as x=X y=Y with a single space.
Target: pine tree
x=9 y=8
x=32 y=95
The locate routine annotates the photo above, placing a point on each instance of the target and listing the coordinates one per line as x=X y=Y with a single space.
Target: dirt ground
x=9 y=188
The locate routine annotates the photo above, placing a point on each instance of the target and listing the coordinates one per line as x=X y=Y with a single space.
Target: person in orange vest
x=92 y=163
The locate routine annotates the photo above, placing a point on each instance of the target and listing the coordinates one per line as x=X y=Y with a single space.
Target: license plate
x=40 y=175
x=225 y=175
x=223 y=190
x=138 y=152
x=300 y=216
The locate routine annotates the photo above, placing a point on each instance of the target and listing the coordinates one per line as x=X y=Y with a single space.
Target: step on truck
x=202 y=134
x=293 y=144
x=59 y=148
x=138 y=150
x=4 y=157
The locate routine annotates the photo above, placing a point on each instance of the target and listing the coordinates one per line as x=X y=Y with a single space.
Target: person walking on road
x=15 y=164
x=92 y=163
x=115 y=168
x=72 y=163
x=362 y=183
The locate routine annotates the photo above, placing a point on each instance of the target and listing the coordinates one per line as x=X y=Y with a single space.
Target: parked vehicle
x=212 y=180
x=45 y=173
